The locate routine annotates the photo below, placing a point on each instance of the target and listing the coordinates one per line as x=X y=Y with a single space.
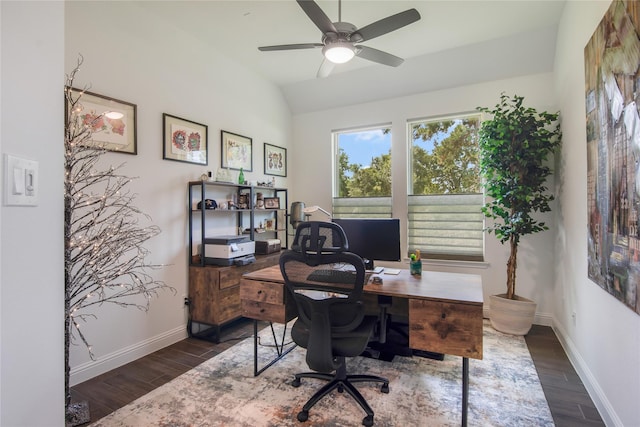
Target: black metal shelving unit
x=198 y=193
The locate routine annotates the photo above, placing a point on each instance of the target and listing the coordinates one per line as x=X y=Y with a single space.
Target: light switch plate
x=20 y=181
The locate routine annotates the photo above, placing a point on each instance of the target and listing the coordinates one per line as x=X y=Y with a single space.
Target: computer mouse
x=376 y=280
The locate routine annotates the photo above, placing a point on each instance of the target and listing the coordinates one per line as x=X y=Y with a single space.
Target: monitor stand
x=368 y=264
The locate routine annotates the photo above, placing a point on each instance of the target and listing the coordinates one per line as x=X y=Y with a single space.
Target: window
x=443 y=196
x=362 y=173
x=444 y=203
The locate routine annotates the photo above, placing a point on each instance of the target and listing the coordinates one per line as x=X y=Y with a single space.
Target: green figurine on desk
x=241 y=177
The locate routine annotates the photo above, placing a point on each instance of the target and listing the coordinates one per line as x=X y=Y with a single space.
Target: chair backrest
x=326 y=283
x=314 y=238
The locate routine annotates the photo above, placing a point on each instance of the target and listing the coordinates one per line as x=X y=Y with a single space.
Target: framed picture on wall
x=184 y=140
x=275 y=160
x=236 y=151
x=113 y=121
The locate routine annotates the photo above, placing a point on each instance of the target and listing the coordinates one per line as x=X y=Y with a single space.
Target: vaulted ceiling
x=454 y=43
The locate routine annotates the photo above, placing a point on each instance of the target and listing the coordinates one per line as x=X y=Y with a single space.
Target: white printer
x=228 y=250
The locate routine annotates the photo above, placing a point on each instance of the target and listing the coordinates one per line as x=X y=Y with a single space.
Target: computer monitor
x=374 y=239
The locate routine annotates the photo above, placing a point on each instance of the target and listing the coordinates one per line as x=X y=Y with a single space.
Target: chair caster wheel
x=304 y=416
x=367 y=421
x=340 y=389
x=384 y=388
x=296 y=382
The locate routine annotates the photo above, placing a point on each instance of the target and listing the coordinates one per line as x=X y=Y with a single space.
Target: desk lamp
x=312 y=209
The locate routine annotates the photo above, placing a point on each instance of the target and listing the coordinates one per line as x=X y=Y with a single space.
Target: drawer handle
x=259 y=292
x=444 y=315
x=262 y=310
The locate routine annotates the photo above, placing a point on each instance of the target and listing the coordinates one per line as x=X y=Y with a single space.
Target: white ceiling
x=237 y=28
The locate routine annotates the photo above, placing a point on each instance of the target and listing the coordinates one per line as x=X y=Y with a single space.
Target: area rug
x=504 y=390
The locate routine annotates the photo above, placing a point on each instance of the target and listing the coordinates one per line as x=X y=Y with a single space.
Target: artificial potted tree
x=514 y=146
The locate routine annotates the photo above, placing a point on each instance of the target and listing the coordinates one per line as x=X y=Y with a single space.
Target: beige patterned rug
x=504 y=390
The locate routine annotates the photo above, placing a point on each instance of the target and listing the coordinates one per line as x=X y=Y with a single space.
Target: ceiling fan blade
x=378 y=56
x=290 y=46
x=388 y=24
x=325 y=68
x=317 y=16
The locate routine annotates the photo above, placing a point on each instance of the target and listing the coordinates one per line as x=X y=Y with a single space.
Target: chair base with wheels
x=342 y=382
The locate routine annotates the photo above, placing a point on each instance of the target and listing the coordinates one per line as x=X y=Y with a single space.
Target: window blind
x=362 y=207
x=447 y=226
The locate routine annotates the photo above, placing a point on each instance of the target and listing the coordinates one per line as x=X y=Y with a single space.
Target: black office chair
x=326 y=283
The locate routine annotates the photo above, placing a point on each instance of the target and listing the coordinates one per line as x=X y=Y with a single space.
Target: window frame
x=475 y=256
x=335 y=147
x=356 y=207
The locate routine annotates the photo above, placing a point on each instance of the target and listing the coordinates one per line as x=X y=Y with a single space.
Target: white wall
x=312 y=168
x=31 y=268
x=604 y=339
x=126 y=57
x=132 y=56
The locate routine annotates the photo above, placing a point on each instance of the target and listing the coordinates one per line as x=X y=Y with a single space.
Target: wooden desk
x=445 y=310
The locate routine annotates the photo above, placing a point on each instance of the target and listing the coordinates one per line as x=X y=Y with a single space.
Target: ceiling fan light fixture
x=339 y=39
x=339 y=52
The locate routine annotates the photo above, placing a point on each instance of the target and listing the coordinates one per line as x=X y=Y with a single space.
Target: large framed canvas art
x=612 y=79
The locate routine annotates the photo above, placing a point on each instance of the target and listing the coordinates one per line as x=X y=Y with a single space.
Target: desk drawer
x=447 y=328
x=268 y=292
x=262 y=311
x=266 y=301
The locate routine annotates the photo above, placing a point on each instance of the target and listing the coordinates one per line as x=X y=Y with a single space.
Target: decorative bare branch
x=103 y=255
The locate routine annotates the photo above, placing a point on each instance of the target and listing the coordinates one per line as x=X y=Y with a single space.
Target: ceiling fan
x=339 y=38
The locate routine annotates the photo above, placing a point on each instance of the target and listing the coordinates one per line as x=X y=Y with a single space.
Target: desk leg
x=255 y=348
x=279 y=348
x=465 y=389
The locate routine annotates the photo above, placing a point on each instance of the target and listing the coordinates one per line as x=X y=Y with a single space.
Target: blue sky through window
x=362 y=146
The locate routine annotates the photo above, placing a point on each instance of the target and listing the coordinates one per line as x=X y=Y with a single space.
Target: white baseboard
x=598 y=396
x=544 y=319
x=123 y=356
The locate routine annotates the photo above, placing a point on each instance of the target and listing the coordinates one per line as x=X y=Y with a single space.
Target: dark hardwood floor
x=568 y=400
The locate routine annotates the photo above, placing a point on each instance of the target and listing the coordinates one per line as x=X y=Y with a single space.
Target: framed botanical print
x=275 y=160
x=236 y=151
x=113 y=121
x=184 y=140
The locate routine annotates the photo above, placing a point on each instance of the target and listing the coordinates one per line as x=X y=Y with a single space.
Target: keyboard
x=332 y=276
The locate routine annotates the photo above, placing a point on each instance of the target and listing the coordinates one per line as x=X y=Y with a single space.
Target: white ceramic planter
x=511 y=316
